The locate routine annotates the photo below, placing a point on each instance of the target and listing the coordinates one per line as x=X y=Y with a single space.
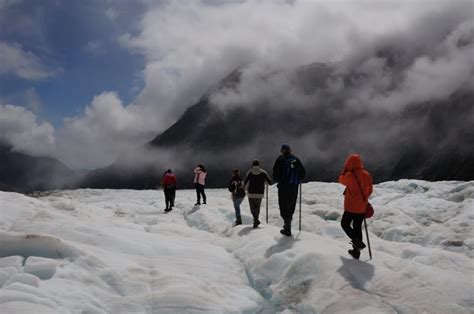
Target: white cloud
x=105 y=130
x=95 y=47
x=190 y=45
x=32 y=99
x=16 y=61
x=21 y=129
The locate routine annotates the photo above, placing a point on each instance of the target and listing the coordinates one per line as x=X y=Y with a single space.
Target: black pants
x=199 y=192
x=354 y=232
x=255 y=204
x=170 y=195
x=287 y=196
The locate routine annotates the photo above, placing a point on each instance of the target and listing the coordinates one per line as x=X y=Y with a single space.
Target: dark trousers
x=170 y=195
x=287 y=196
x=255 y=204
x=354 y=232
x=199 y=192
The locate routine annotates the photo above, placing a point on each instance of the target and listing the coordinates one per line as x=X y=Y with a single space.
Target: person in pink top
x=200 y=181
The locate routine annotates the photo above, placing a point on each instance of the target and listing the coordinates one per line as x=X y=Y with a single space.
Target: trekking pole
x=267 y=203
x=300 y=203
x=368 y=241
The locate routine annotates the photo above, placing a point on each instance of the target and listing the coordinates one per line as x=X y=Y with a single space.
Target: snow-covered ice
x=116 y=251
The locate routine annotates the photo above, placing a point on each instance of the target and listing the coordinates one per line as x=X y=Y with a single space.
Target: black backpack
x=239 y=189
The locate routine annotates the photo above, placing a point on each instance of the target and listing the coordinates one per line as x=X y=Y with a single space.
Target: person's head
x=169 y=171
x=285 y=150
x=255 y=162
x=236 y=172
x=353 y=162
x=202 y=168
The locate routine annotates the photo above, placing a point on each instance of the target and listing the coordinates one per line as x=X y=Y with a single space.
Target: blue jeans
x=237 y=202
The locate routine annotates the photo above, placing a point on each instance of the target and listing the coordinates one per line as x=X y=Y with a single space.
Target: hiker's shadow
x=283 y=244
x=356 y=273
x=193 y=210
x=245 y=231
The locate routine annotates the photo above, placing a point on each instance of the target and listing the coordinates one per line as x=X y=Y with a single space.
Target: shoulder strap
x=360 y=188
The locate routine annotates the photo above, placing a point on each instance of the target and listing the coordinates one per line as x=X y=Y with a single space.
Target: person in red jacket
x=168 y=183
x=359 y=187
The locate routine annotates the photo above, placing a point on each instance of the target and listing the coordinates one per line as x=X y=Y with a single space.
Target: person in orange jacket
x=359 y=187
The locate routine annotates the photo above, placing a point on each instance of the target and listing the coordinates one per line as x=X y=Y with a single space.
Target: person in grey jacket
x=255 y=182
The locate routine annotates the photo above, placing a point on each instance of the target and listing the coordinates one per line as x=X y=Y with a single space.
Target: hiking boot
x=286 y=232
x=354 y=253
x=197 y=204
x=256 y=223
x=167 y=210
x=237 y=222
x=358 y=244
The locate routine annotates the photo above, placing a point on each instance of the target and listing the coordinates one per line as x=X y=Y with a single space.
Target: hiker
x=237 y=188
x=255 y=183
x=200 y=181
x=358 y=183
x=288 y=171
x=168 y=183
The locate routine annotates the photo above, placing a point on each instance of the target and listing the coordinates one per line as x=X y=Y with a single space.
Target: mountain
x=20 y=172
x=429 y=139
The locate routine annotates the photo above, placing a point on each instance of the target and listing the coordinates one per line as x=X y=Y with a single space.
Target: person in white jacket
x=199 y=182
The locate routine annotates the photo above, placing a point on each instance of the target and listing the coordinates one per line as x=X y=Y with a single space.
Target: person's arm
x=231 y=185
x=371 y=186
x=277 y=170
x=267 y=178
x=345 y=177
x=247 y=178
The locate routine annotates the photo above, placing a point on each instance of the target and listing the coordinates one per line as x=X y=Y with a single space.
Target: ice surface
x=116 y=251
x=23 y=278
x=12 y=261
x=41 y=267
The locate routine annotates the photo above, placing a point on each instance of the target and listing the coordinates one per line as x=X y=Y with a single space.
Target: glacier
x=116 y=251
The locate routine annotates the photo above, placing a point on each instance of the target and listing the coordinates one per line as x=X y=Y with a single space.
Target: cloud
x=105 y=130
x=14 y=60
x=21 y=129
x=95 y=48
x=189 y=46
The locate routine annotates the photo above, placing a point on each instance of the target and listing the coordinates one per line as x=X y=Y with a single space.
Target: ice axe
x=368 y=241
x=300 y=203
x=266 y=202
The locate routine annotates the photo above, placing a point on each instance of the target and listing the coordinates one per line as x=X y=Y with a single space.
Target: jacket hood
x=353 y=162
x=256 y=170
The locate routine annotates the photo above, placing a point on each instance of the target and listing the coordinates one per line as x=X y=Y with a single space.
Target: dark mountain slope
x=20 y=172
x=429 y=140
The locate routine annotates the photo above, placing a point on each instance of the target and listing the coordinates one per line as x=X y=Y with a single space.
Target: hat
x=285 y=147
x=256 y=162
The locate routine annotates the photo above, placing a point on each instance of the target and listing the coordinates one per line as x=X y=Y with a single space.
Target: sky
x=85 y=81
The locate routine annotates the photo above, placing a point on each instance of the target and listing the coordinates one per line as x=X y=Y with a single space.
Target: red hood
x=353 y=162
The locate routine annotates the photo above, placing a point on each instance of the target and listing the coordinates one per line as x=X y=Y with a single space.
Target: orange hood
x=353 y=162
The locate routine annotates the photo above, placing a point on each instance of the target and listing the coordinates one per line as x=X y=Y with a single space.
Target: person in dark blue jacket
x=288 y=171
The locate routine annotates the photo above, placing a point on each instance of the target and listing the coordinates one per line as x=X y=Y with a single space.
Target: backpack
x=291 y=170
x=369 y=209
x=239 y=190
